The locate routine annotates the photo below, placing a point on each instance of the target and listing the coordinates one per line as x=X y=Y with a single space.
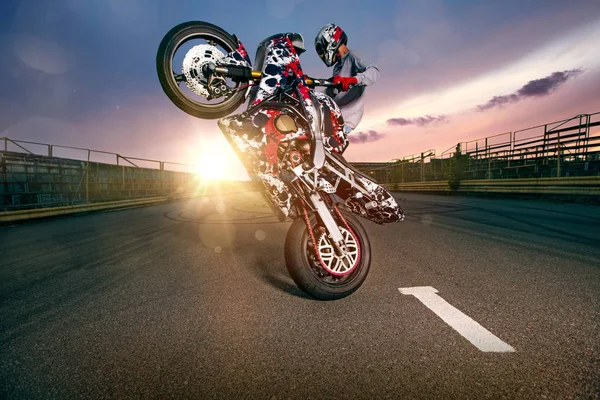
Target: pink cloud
x=534 y=88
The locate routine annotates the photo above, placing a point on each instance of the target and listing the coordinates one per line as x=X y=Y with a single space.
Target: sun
x=211 y=159
x=215 y=160
x=211 y=165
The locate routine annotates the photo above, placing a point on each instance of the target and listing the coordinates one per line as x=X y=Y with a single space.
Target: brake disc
x=197 y=57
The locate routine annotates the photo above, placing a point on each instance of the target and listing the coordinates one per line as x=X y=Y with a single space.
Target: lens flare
x=211 y=166
x=215 y=160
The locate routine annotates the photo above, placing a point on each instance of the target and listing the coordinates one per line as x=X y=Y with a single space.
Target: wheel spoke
x=179 y=78
x=338 y=265
x=349 y=261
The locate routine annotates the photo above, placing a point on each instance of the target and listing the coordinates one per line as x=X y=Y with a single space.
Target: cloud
x=534 y=88
x=364 y=137
x=418 y=121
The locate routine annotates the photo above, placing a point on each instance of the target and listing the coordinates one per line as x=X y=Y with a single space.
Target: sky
x=82 y=72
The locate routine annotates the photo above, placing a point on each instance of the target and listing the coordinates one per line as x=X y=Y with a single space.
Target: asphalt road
x=191 y=299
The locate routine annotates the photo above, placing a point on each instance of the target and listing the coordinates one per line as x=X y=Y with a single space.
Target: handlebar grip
x=318 y=82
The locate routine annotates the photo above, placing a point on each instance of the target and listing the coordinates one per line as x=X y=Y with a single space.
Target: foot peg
x=325 y=186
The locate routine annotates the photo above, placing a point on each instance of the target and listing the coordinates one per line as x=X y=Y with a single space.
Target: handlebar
x=246 y=73
x=257 y=75
x=319 y=82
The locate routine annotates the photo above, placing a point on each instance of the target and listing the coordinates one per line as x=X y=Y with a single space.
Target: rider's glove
x=345 y=82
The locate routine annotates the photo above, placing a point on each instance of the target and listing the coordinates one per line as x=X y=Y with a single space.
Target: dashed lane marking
x=480 y=337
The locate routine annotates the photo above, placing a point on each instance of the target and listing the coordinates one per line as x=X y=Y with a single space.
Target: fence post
x=587 y=135
x=487 y=153
x=422 y=167
x=509 y=152
x=402 y=171
x=546 y=143
x=162 y=176
x=578 y=143
x=87 y=180
x=558 y=158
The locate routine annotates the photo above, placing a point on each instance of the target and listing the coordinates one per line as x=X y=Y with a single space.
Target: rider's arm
x=367 y=73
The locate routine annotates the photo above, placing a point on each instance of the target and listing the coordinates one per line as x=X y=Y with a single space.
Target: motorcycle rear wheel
x=304 y=268
x=172 y=41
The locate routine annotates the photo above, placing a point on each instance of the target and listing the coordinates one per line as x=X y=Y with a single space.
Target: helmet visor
x=321 y=51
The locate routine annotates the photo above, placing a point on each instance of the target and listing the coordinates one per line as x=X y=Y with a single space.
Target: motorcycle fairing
x=254 y=135
x=239 y=56
x=333 y=123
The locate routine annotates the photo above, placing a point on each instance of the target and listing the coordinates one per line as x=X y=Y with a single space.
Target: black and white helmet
x=328 y=41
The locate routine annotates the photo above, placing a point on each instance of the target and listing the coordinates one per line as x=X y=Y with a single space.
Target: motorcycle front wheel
x=171 y=80
x=303 y=264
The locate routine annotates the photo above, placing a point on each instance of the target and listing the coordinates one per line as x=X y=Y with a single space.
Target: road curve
x=191 y=299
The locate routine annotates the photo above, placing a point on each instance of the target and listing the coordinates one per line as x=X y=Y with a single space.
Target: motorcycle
x=290 y=138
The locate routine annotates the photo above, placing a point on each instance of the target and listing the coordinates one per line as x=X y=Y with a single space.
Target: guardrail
x=221 y=188
x=88 y=155
x=29 y=180
x=573 y=186
x=37 y=213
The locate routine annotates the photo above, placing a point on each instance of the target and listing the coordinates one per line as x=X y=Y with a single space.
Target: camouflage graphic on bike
x=255 y=136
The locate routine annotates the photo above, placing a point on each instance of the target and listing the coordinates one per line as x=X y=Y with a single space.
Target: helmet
x=328 y=41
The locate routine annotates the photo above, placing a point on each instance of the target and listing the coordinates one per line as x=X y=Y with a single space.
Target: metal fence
x=32 y=176
x=564 y=148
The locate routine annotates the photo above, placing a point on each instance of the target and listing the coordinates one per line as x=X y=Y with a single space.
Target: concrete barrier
x=434 y=186
x=576 y=186
x=573 y=186
x=35 y=213
x=220 y=188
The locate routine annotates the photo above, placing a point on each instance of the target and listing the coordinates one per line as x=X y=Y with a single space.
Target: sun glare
x=215 y=161
x=211 y=166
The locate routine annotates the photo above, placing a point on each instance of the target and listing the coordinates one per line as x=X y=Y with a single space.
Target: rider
x=350 y=73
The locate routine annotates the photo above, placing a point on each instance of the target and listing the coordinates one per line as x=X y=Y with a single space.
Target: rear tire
x=164 y=67
x=309 y=276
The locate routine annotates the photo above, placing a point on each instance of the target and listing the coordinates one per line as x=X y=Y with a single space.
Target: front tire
x=303 y=266
x=172 y=41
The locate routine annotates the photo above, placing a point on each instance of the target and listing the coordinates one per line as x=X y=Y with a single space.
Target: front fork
x=311 y=181
x=325 y=215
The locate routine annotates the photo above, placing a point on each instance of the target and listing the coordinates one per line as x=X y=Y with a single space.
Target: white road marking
x=483 y=339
